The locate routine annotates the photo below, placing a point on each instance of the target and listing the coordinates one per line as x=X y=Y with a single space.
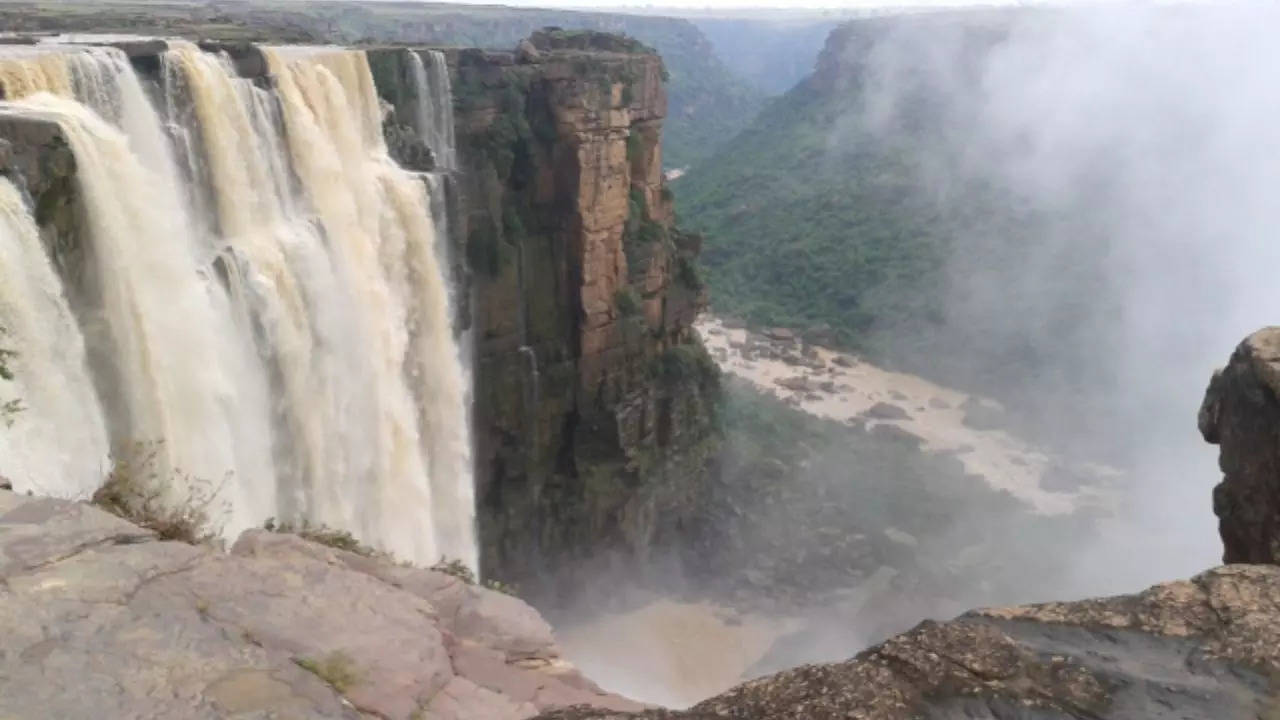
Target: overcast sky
x=718 y=4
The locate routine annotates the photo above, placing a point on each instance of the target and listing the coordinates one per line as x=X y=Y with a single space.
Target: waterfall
x=435 y=107
x=378 y=220
x=266 y=292
x=57 y=444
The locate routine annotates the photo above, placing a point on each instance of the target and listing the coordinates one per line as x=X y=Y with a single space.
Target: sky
x=710 y=4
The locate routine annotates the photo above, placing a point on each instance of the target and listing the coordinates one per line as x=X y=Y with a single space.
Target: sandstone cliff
x=593 y=393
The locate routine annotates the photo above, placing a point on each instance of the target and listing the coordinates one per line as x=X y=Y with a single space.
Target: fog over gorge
x=1133 y=145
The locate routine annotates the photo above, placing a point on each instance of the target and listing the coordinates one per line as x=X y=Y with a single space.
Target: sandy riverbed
x=929 y=411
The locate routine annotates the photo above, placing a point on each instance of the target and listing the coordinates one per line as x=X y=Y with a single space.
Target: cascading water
x=284 y=325
x=57 y=444
x=435 y=107
x=378 y=220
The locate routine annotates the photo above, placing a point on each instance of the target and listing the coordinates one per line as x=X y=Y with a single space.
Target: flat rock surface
x=101 y=620
x=1203 y=649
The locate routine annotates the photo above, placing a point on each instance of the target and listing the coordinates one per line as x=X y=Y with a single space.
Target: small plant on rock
x=323 y=535
x=140 y=490
x=499 y=586
x=456 y=568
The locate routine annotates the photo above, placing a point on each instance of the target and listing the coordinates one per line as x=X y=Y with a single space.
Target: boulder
x=796 y=383
x=886 y=411
x=1241 y=415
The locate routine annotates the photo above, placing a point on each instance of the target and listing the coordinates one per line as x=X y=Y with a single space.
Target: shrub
x=688 y=274
x=686 y=362
x=628 y=302
x=138 y=489
x=456 y=568
x=499 y=586
x=635 y=148
x=323 y=535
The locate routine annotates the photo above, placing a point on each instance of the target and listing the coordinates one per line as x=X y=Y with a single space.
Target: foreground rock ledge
x=1204 y=649
x=101 y=620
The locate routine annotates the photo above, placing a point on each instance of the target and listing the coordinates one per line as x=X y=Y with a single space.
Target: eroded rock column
x=1241 y=414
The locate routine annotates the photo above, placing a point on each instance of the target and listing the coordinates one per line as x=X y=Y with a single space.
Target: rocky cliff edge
x=101 y=619
x=1203 y=649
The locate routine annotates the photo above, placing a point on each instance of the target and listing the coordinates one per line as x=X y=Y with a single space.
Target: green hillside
x=873 y=215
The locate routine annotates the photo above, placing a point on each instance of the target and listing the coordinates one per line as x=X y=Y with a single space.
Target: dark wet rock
x=796 y=383
x=895 y=434
x=886 y=411
x=1241 y=414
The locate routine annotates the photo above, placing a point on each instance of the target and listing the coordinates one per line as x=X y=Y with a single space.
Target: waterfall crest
x=267 y=295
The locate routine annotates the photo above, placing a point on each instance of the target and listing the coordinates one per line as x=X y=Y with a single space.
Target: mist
x=1129 y=149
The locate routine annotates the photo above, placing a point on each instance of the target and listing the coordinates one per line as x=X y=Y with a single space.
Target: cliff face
x=593 y=393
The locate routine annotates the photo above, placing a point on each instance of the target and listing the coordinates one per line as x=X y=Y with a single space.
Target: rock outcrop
x=100 y=619
x=1241 y=414
x=1204 y=649
x=593 y=392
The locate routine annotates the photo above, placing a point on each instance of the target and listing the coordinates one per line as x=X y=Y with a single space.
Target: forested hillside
x=858 y=204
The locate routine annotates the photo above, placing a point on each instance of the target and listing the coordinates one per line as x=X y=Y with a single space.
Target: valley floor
x=846 y=388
